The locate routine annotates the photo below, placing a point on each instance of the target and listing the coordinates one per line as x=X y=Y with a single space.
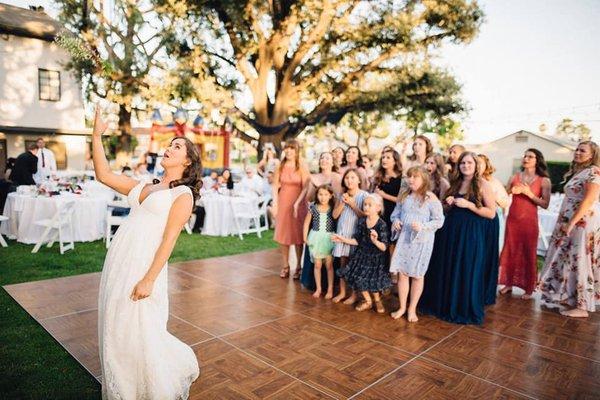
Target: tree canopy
x=567 y=129
x=309 y=62
x=128 y=40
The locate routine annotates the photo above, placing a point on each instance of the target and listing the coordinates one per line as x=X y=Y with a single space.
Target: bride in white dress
x=139 y=358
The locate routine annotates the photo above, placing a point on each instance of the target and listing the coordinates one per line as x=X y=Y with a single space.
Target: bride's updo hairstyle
x=192 y=175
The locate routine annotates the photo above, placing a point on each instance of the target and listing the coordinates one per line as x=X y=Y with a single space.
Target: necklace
x=527 y=180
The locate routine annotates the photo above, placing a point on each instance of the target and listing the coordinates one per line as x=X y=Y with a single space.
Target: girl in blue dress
x=418 y=214
x=455 y=284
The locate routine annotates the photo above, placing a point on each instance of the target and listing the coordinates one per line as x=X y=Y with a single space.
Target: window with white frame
x=49 y=84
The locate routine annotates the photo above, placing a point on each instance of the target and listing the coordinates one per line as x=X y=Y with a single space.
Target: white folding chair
x=2 y=241
x=544 y=237
x=556 y=200
x=246 y=213
x=55 y=228
x=113 y=220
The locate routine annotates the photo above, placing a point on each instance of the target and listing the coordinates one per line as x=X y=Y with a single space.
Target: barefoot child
x=367 y=270
x=418 y=214
x=348 y=210
x=318 y=227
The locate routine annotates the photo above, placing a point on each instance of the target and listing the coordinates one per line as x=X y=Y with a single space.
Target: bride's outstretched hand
x=142 y=290
x=100 y=125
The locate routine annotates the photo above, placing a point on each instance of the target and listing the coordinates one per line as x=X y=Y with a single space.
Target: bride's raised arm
x=120 y=183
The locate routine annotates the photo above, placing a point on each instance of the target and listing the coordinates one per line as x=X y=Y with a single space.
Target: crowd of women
x=437 y=227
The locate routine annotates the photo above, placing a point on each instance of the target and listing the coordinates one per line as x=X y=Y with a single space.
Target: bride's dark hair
x=192 y=175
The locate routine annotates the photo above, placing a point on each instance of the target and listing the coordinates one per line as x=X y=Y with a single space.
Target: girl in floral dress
x=571 y=274
x=367 y=270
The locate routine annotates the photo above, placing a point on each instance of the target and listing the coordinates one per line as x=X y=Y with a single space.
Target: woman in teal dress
x=455 y=284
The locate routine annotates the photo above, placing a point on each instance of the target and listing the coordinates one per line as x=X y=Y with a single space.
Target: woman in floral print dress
x=571 y=274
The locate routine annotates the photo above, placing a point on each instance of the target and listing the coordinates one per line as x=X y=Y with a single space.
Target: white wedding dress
x=139 y=358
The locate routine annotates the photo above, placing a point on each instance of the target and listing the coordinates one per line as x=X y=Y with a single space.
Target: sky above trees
x=533 y=61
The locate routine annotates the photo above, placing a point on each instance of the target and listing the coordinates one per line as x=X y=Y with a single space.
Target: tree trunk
x=274 y=140
x=124 y=150
x=125 y=129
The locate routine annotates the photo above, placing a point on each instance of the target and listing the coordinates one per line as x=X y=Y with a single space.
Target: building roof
x=558 y=141
x=33 y=23
x=25 y=130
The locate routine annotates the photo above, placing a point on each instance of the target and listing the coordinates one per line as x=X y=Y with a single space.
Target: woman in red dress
x=530 y=189
x=291 y=178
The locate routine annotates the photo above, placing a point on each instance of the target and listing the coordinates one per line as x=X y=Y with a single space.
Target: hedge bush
x=557 y=170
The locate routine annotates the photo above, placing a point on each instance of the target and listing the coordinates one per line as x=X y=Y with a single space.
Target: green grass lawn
x=32 y=364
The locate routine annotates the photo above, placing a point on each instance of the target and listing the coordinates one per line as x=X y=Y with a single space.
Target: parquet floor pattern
x=260 y=337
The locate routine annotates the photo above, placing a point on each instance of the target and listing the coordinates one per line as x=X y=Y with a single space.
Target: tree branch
x=228 y=61
x=317 y=33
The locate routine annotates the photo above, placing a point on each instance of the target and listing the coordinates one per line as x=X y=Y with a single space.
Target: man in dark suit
x=25 y=167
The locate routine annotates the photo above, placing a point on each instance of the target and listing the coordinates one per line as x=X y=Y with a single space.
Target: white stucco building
x=506 y=152
x=38 y=96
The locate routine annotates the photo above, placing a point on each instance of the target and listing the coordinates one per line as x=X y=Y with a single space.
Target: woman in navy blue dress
x=455 y=281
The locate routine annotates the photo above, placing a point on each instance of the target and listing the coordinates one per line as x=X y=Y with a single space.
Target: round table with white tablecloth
x=219 y=219
x=23 y=210
x=96 y=189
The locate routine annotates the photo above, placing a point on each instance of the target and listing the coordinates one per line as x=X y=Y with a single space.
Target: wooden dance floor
x=260 y=337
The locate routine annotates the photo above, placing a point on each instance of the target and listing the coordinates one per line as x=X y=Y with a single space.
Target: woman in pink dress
x=530 y=189
x=291 y=178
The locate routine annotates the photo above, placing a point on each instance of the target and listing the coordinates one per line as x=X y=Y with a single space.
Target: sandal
x=363 y=306
x=379 y=307
x=285 y=272
x=297 y=273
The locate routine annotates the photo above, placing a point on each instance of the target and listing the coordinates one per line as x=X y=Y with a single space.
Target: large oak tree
x=308 y=62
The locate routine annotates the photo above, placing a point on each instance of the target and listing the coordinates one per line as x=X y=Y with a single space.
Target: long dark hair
x=192 y=175
x=474 y=189
x=380 y=173
x=229 y=180
x=359 y=162
x=541 y=168
x=328 y=188
x=350 y=170
x=438 y=174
